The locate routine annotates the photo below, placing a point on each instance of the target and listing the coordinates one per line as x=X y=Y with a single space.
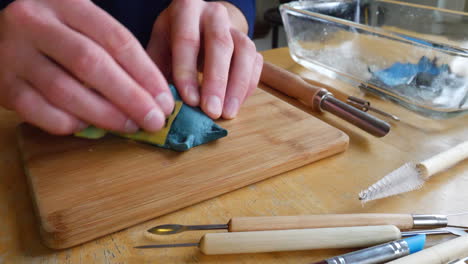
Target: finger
x=34 y=109
x=218 y=52
x=93 y=66
x=95 y=23
x=255 y=77
x=6 y=78
x=64 y=92
x=243 y=61
x=185 y=39
x=158 y=48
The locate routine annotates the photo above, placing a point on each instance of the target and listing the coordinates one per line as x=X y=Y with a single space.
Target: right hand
x=66 y=64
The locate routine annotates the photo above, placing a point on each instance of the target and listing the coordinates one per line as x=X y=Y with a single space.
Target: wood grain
x=290 y=84
x=328 y=186
x=242 y=224
x=84 y=189
x=303 y=239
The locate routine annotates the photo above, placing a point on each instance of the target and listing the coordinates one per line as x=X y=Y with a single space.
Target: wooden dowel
x=289 y=84
x=242 y=224
x=302 y=239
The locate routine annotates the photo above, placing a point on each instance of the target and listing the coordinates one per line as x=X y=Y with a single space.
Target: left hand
x=211 y=35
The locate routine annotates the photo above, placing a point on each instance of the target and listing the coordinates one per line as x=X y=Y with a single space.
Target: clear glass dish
x=412 y=54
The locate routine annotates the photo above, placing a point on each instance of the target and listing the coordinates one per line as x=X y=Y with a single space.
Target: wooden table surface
x=327 y=186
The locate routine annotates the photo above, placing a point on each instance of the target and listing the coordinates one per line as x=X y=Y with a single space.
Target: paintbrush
x=412 y=176
x=438 y=254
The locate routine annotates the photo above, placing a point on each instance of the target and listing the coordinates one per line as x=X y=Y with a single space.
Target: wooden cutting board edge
x=58 y=240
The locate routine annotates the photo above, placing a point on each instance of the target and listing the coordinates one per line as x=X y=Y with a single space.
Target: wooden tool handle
x=241 y=224
x=302 y=239
x=444 y=160
x=289 y=84
x=438 y=254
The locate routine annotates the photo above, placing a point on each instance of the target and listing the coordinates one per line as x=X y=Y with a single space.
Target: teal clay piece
x=190 y=128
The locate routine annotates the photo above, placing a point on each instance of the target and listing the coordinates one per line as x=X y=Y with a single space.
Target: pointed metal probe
x=170 y=245
x=174 y=229
x=365 y=106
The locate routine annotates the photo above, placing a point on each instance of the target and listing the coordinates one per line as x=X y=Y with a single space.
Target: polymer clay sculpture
x=186 y=127
x=424 y=82
x=405 y=73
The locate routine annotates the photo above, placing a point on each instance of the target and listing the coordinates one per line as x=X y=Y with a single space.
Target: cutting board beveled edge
x=288 y=140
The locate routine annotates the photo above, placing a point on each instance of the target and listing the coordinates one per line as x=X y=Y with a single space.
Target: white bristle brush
x=412 y=176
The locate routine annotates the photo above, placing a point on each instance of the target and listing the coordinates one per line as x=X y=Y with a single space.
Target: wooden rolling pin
x=438 y=254
x=320 y=99
x=290 y=240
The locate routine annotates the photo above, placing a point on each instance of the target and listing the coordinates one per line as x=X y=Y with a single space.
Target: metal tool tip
x=169 y=245
x=363 y=196
x=166 y=229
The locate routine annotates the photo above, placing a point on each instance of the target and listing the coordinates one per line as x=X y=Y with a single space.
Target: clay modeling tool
x=438 y=254
x=381 y=253
x=320 y=99
x=301 y=239
x=412 y=176
x=290 y=240
x=459 y=261
x=263 y=223
x=438 y=231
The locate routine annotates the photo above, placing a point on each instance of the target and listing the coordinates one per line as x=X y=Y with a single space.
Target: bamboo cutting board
x=84 y=189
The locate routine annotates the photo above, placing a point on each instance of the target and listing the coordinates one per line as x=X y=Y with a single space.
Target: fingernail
x=81 y=126
x=231 y=108
x=154 y=120
x=130 y=127
x=192 y=94
x=166 y=102
x=214 y=105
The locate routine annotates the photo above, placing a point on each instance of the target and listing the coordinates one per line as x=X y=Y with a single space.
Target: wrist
x=236 y=16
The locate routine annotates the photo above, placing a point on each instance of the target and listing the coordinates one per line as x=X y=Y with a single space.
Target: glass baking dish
x=412 y=54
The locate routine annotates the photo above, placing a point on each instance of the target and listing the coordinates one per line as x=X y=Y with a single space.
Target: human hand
x=51 y=51
x=192 y=33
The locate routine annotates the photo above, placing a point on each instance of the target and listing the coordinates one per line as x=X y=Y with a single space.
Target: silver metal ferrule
x=429 y=221
x=378 y=254
x=363 y=120
x=319 y=97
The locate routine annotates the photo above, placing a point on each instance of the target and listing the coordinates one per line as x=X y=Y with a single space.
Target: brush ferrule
x=429 y=221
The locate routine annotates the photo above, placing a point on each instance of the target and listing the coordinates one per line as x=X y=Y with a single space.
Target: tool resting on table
x=259 y=223
x=320 y=99
x=438 y=254
x=291 y=240
x=412 y=176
